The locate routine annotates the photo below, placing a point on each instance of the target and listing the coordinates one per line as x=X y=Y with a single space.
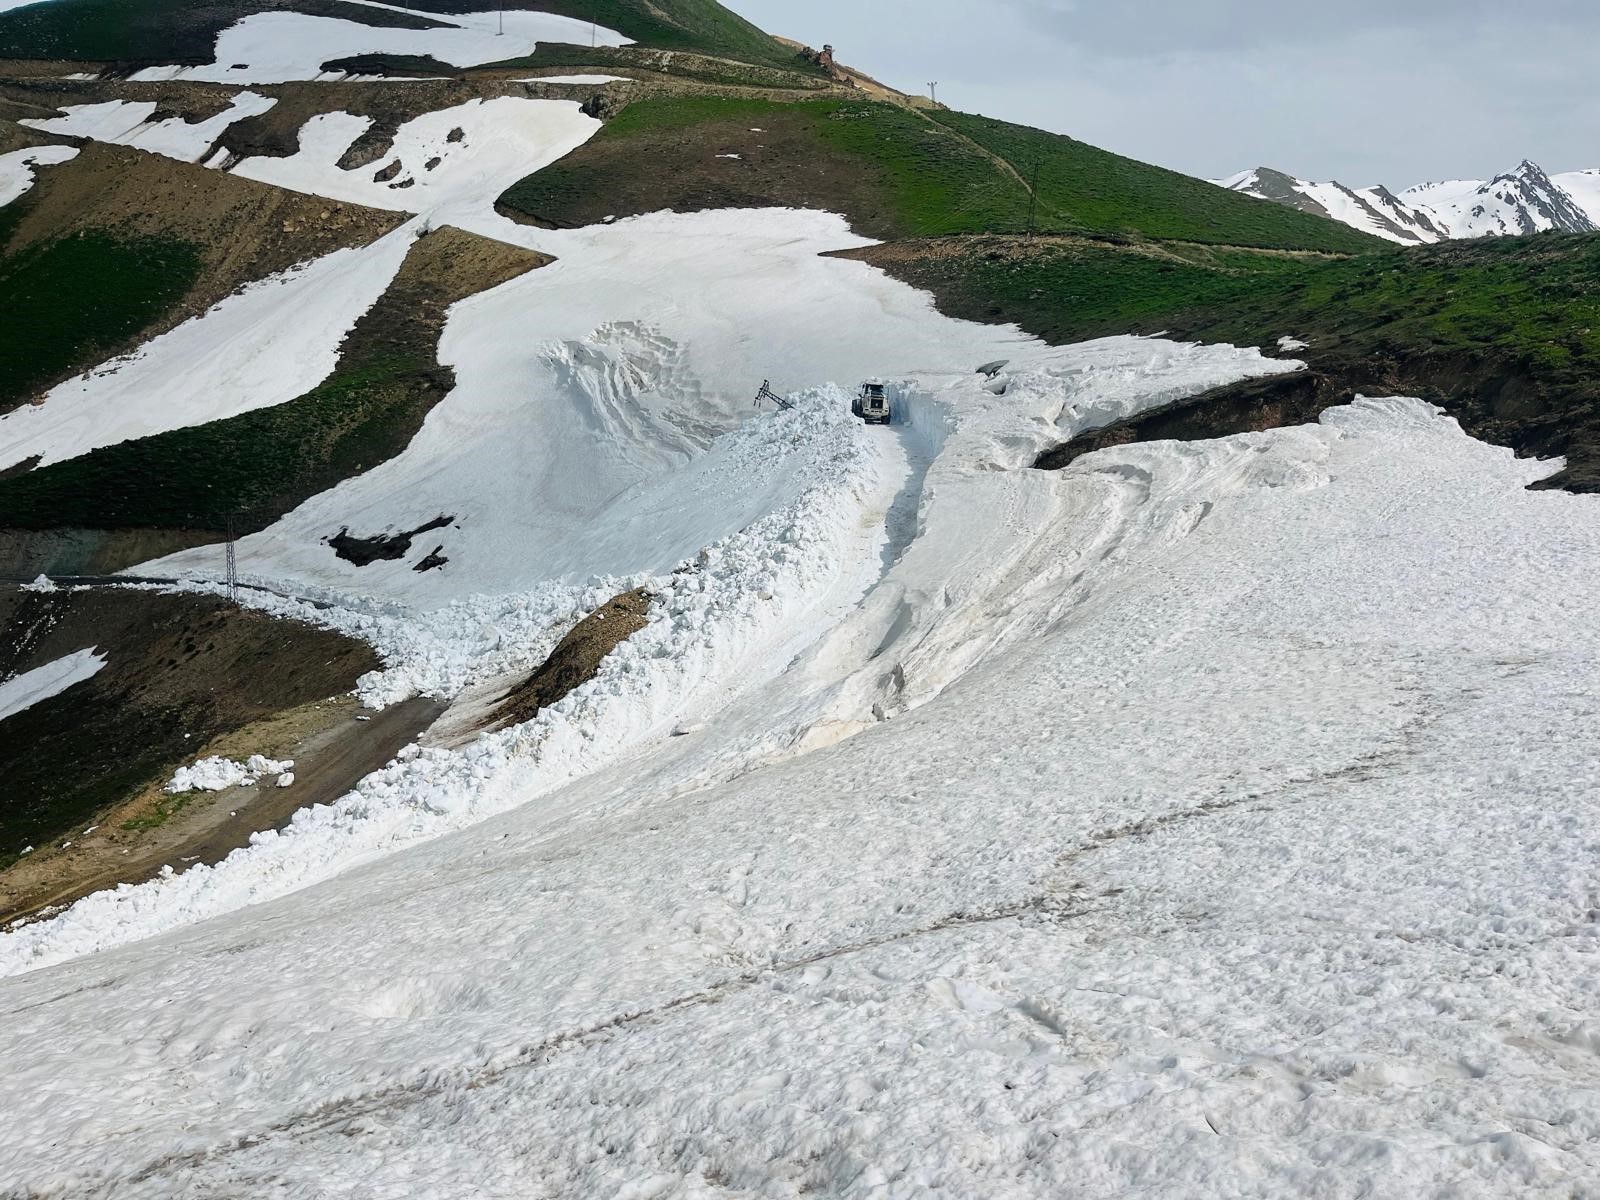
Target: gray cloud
x=1367 y=91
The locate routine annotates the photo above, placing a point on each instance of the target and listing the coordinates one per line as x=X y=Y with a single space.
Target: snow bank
x=216 y=774
x=29 y=688
x=279 y=47
x=16 y=168
x=264 y=345
x=1174 y=887
x=714 y=624
x=587 y=388
x=128 y=123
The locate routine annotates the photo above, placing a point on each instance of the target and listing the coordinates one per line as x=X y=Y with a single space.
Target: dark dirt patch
x=364 y=551
x=576 y=658
x=1248 y=407
x=432 y=561
x=334 y=745
x=181 y=670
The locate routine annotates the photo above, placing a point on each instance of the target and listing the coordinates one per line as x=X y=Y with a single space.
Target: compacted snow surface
x=1205 y=819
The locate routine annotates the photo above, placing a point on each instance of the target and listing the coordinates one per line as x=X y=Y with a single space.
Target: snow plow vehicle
x=872 y=404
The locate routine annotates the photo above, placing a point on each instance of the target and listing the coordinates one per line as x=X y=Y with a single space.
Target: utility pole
x=1033 y=198
x=594 y=33
x=502 y=11
x=233 y=567
x=933 y=92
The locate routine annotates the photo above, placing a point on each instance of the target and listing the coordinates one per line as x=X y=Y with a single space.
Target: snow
x=264 y=345
x=501 y=141
x=1289 y=345
x=16 y=168
x=596 y=79
x=27 y=689
x=280 y=47
x=1583 y=187
x=217 y=774
x=651 y=336
x=1151 y=875
x=1204 y=819
x=128 y=123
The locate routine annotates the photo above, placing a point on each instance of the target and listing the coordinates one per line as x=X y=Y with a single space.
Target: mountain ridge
x=1523 y=201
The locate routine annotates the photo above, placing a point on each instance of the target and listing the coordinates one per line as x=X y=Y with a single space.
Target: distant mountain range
x=1526 y=200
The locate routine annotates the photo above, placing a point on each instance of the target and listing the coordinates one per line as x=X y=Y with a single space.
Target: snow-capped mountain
x=1526 y=200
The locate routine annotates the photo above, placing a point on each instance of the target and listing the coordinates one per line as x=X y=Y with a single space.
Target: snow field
x=279 y=47
x=30 y=687
x=17 y=168
x=1176 y=887
x=264 y=345
x=587 y=392
x=128 y=123
x=452 y=164
x=717 y=623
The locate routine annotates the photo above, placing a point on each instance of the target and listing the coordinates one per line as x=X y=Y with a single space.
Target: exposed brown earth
x=1249 y=407
x=181 y=671
x=576 y=657
x=333 y=744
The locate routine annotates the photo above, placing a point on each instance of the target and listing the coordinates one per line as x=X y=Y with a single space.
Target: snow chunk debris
x=215 y=774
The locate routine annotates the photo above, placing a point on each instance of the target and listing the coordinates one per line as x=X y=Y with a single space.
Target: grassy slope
x=1534 y=300
x=1082 y=187
x=1505 y=333
x=895 y=173
x=253 y=468
x=73 y=299
x=185 y=31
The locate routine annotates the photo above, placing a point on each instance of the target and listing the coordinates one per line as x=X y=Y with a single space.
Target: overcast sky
x=1364 y=91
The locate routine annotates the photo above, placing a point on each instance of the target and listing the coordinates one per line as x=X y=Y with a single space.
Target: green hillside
x=895 y=172
x=1503 y=332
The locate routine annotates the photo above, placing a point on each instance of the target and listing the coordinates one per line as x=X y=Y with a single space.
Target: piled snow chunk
x=42 y=584
x=216 y=774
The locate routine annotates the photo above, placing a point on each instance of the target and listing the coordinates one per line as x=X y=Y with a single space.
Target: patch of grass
x=252 y=468
x=1536 y=300
x=80 y=297
x=897 y=172
x=1083 y=187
